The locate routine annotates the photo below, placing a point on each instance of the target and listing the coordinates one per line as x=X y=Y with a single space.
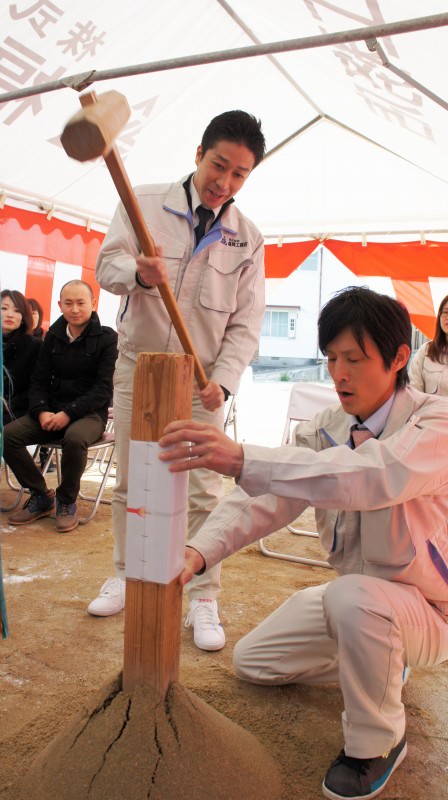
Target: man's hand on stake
x=193 y=564
x=195 y=444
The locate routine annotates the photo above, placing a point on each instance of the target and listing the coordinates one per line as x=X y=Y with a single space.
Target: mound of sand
x=136 y=746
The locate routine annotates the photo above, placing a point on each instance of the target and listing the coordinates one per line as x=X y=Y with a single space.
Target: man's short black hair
x=235 y=126
x=364 y=311
x=77 y=282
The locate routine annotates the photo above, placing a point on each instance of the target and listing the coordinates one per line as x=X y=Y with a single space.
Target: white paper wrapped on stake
x=156 y=516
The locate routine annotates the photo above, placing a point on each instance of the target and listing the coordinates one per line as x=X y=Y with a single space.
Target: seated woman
x=20 y=350
x=38 y=315
x=429 y=367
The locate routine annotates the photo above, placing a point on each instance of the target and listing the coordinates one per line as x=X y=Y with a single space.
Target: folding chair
x=9 y=478
x=230 y=416
x=305 y=400
x=19 y=489
x=100 y=454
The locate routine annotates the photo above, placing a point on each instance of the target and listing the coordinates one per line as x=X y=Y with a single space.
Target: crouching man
x=374 y=468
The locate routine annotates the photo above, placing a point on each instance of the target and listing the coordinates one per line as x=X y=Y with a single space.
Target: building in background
x=288 y=339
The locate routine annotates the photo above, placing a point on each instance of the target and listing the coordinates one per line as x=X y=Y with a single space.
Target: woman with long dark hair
x=429 y=367
x=20 y=351
x=38 y=315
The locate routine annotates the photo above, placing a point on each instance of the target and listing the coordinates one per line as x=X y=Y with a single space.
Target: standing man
x=213 y=257
x=382 y=516
x=69 y=398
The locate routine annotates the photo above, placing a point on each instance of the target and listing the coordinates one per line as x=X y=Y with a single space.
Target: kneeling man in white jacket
x=374 y=468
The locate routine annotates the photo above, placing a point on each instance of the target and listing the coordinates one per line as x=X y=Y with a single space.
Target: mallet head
x=91 y=132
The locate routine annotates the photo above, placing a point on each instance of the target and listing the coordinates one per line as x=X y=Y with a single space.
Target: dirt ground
x=57 y=657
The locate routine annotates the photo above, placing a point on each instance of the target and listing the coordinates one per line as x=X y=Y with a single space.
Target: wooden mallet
x=90 y=134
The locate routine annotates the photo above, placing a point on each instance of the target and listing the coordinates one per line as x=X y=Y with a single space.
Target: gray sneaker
x=66 y=517
x=37 y=506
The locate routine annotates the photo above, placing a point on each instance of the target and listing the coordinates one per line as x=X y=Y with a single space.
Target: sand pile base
x=137 y=746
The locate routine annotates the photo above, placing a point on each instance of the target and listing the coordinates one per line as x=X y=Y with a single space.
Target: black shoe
x=361 y=778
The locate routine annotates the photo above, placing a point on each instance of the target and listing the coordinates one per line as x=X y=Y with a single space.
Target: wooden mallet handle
x=129 y=200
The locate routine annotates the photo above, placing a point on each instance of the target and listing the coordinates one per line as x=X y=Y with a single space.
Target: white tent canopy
x=354 y=147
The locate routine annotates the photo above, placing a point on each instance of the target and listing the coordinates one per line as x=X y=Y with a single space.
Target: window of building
x=311 y=264
x=279 y=324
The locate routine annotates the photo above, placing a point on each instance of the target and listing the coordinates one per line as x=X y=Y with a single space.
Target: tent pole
x=326 y=117
x=375 y=47
x=81 y=81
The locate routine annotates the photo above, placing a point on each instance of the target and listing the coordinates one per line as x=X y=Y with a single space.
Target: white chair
x=9 y=478
x=305 y=400
x=101 y=455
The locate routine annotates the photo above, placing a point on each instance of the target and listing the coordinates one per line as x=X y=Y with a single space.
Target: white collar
x=196 y=201
x=377 y=421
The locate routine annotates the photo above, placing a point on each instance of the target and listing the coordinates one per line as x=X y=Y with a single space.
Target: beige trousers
x=359 y=631
x=205 y=487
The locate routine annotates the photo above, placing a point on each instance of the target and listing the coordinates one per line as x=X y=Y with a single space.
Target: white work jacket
x=427 y=375
x=219 y=286
x=381 y=510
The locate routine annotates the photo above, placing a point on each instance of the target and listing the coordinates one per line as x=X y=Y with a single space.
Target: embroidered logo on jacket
x=233 y=242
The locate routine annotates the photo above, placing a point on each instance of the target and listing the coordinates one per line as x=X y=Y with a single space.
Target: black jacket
x=20 y=351
x=75 y=377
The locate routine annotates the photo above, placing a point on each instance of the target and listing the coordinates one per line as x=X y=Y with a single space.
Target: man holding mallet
x=212 y=257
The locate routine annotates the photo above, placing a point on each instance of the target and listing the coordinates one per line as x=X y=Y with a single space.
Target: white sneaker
x=203 y=617
x=110 y=599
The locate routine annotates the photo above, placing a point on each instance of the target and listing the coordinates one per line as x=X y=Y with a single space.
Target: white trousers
x=205 y=487
x=357 y=630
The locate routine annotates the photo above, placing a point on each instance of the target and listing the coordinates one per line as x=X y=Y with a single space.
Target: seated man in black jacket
x=69 y=397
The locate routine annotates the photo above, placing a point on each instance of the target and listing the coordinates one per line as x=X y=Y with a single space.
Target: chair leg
x=302 y=532
x=103 y=462
x=12 y=506
x=51 y=451
x=230 y=420
x=15 y=487
x=104 y=465
x=99 y=497
x=311 y=562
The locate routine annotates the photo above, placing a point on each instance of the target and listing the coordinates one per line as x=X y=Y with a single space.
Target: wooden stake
x=163 y=385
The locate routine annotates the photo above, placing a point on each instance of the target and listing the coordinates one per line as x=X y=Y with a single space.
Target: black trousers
x=75 y=440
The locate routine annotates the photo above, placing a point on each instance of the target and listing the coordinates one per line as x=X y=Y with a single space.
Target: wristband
x=142 y=283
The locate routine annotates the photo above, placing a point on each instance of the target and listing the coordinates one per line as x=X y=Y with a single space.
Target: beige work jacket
x=382 y=509
x=219 y=286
